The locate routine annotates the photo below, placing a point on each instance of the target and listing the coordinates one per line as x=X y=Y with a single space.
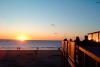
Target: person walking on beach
x=18 y=48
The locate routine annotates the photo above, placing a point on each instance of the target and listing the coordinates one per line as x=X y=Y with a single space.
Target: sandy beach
x=30 y=58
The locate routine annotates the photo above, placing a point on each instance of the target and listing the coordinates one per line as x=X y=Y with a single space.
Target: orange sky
x=38 y=36
x=30 y=37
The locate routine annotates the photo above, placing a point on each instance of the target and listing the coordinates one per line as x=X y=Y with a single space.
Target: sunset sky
x=48 y=19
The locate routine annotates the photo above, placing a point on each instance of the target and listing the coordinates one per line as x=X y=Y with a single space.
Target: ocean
x=30 y=44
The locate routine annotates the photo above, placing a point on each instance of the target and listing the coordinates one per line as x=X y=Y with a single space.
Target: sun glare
x=22 y=38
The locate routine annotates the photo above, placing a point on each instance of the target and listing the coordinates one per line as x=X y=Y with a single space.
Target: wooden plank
x=90 y=54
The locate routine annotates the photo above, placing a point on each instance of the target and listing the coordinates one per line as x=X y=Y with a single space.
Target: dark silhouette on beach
x=18 y=48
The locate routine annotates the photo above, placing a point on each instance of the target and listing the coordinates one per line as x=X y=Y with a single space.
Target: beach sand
x=30 y=58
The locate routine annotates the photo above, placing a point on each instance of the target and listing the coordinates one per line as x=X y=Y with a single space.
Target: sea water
x=29 y=44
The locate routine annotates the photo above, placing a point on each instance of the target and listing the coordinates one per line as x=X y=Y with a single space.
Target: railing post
x=65 y=53
x=76 y=52
x=65 y=40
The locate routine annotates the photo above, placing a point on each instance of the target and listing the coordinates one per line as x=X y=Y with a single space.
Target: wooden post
x=76 y=55
x=64 y=46
x=84 y=60
x=65 y=53
x=76 y=51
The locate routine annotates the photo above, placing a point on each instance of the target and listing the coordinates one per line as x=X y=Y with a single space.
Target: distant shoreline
x=32 y=48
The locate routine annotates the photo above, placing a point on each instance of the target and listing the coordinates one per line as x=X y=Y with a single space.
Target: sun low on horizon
x=22 y=37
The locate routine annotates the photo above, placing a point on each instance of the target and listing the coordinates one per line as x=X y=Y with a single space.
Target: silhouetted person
x=77 y=41
x=18 y=48
x=85 y=42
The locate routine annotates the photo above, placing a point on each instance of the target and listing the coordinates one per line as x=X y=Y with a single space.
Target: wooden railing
x=78 y=56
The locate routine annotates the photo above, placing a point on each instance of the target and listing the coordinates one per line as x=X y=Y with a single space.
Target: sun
x=22 y=38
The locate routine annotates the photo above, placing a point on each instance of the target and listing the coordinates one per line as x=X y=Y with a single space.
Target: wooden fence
x=78 y=56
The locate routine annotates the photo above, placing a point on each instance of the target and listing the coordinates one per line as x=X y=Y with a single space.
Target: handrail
x=77 y=58
x=90 y=54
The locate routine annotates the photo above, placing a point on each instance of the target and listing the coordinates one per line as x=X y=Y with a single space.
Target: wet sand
x=30 y=58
